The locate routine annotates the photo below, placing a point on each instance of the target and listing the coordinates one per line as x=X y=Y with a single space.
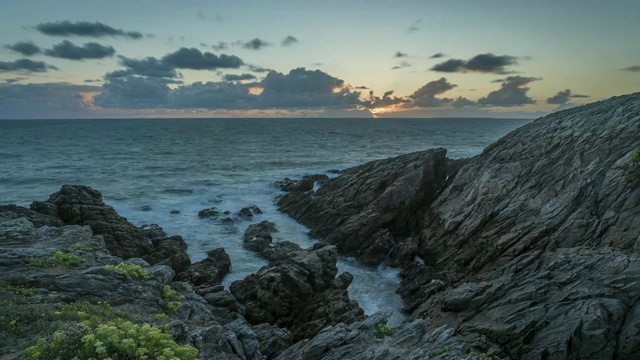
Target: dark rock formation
x=209 y=213
x=153 y=231
x=10 y=212
x=307 y=183
x=258 y=238
x=170 y=251
x=248 y=212
x=390 y=194
x=298 y=293
x=82 y=205
x=209 y=271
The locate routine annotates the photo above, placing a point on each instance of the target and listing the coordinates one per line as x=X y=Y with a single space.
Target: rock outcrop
x=300 y=293
x=350 y=210
x=82 y=205
x=208 y=272
x=258 y=238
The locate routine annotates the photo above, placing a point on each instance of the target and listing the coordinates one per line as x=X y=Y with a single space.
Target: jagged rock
x=248 y=212
x=170 y=251
x=273 y=340
x=307 y=183
x=209 y=213
x=209 y=271
x=153 y=231
x=10 y=212
x=222 y=299
x=174 y=212
x=258 y=238
x=381 y=243
x=390 y=194
x=82 y=205
x=296 y=292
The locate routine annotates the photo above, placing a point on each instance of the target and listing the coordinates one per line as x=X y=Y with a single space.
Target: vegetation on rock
x=132 y=270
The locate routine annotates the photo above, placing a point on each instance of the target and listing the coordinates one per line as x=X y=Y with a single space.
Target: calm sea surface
x=146 y=168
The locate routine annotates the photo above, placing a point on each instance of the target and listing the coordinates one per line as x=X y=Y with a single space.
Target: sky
x=429 y=58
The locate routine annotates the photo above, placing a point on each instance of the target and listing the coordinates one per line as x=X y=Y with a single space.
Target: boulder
x=209 y=213
x=82 y=205
x=48 y=218
x=248 y=212
x=297 y=293
x=209 y=271
x=170 y=251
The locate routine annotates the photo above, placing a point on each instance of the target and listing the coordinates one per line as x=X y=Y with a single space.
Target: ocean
x=146 y=168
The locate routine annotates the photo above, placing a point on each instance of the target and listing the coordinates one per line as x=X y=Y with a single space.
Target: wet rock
x=170 y=251
x=209 y=213
x=209 y=271
x=222 y=299
x=391 y=194
x=296 y=292
x=48 y=217
x=381 y=244
x=153 y=231
x=258 y=238
x=82 y=205
x=273 y=340
x=248 y=212
x=174 y=212
x=145 y=208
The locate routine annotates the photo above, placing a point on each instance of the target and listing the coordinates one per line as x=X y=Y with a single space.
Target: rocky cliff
x=530 y=250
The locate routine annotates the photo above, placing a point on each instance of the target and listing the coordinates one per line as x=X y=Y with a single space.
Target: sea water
x=146 y=168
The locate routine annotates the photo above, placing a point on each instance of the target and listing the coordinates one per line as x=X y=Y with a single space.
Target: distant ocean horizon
x=146 y=168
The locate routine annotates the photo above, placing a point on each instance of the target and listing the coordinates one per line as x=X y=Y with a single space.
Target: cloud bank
x=84 y=28
x=482 y=63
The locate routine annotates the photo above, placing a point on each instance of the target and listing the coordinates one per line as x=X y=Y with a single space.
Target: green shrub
x=4 y=287
x=172 y=299
x=635 y=156
x=133 y=270
x=482 y=356
x=82 y=247
x=58 y=259
x=438 y=352
x=383 y=330
x=116 y=339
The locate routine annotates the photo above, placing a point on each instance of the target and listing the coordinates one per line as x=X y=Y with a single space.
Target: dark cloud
x=437 y=55
x=84 y=28
x=221 y=45
x=563 y=97
x=92 y=80
x=289 y=40
x=213 y=95
x=361 y=87
x=512 y=92
x=386 y=100
x=451 y=65
x=461 y=102
x=258 y=69
x=426 y=95
x=26 y=48
x=134 y=92
x=414 y=26
x=90 y=50
x=635 y=68
x=484 y=63
x=255 y=44
x=149 y=66
x=25 y=65
x=13 y=80
x=234 y=77
x=43 y=100
x=402 y=64
x=204 y=17
x=196 y=60
x=400 y=54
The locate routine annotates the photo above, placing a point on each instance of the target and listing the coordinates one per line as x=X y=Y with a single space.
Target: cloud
x=361 y=87
x=26 y=48
x=25 y=65
x=289 y=40
x=43 y=100
x=401 y=64
x=635 y=68
x=483 y=63
x=563 y=97
x=437 y=55
x=196 y=60
x=451 y=65
x=84 y=28
x=414 y=26
x=400 y=54
x=90 y=50
x=213 y=95
x=221 y=45
x=512 y=92
x=133 y=92
x=426 y=95
x=386 y=100
x=234 y=77
x=148 y=66
x=13 y=80
x=258 y=69
x=461 y=102
x=255 y=44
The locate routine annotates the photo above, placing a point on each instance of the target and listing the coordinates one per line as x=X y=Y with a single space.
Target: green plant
x=58 y=259
x=116 y=339
x=441 y=351
x=482 y=356
x=383 y=330
x=132 y=270
x=580 y=153
x=82 y=247
x=4 y=287
x=631 y=178
x=635 y=156
x=172 y=299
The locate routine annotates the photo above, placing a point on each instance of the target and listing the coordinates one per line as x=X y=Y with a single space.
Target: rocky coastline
x=528 y=250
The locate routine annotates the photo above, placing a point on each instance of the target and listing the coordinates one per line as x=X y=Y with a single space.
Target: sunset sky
x=170 y=58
